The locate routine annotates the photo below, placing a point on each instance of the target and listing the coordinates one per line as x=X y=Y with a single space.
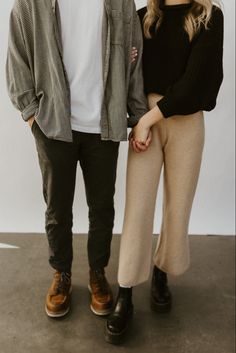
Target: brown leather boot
x=101 y=294
x=58 y=296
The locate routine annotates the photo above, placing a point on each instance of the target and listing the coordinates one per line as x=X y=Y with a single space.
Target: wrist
x=152 y=117
x=156 y=114
x=145 y=122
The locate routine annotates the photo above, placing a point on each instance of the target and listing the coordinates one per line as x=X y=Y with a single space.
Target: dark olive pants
x=58 y=163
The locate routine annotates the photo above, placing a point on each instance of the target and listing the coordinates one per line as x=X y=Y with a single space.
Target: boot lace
x=63 y=282
x=101 y=282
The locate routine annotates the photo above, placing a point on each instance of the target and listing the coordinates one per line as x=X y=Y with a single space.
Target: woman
x=182 y=66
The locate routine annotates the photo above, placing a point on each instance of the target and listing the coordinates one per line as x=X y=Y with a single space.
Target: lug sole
x=115 y=338
x=56 y=315
x=101 y=313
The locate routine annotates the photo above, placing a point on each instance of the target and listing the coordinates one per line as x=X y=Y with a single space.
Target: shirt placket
x=106 y=60
x=57 y=31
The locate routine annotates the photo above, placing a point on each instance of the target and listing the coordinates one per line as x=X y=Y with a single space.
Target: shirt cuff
x=30 y=110
x=132 y=121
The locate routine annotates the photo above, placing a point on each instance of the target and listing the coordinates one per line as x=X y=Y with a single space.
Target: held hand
x=141 y=132
x=31 y=121
x=137 y=146
x=132 y=143
x=140 y=137
x=141 y=147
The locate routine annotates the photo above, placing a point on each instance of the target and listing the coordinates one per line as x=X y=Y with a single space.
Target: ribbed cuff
x=164 y=107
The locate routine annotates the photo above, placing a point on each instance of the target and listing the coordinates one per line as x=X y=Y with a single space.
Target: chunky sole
x=58 y=314
x=160 y=308
x=99 y=312
x=117 y=338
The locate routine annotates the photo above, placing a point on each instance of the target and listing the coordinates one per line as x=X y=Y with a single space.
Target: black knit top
x=188 y=74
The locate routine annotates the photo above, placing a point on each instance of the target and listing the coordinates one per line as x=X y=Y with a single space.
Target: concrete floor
x=202 y=319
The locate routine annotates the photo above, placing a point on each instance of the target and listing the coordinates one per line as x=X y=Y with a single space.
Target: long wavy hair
x=198 y=15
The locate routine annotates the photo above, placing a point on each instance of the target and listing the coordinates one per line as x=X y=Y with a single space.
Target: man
x=70 y=74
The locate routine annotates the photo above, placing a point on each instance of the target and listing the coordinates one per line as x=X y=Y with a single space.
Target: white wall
x=21 y=203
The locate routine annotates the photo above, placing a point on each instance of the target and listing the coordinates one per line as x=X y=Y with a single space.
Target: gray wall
x=21 y=203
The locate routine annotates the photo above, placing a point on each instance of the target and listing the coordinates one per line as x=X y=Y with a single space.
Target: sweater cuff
x=30 y=110
x=164 y=107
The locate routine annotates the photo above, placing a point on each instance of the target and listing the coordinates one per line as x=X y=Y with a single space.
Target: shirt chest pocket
x=119 y=25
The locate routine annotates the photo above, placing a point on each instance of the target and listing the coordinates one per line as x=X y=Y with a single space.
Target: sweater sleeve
x=198 y=88
x=18 y=74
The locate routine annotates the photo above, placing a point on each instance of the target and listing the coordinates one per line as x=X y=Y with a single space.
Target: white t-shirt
x=81 y=22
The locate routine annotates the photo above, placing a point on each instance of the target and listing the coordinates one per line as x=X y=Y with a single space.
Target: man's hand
x=31 y=121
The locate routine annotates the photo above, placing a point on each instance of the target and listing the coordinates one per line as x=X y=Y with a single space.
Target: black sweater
x=188 y=74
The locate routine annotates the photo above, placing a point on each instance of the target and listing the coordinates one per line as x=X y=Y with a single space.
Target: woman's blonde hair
x=198 y=15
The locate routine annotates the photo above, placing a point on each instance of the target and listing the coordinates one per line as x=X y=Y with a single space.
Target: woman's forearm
x=152 y=117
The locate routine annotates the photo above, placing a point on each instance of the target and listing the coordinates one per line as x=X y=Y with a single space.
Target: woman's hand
x=141 y=132
x=140 y=137
x=134 y=54
x=133 y=138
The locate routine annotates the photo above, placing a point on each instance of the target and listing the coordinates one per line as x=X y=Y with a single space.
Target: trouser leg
x=98 y=160
x=143 y=173
x=182 y=161
x=57 y=161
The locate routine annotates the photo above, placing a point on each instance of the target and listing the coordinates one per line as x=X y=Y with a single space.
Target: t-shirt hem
x=89 y=130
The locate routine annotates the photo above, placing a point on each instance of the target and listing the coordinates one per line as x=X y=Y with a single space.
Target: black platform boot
x=161 y=299
x=118 y=322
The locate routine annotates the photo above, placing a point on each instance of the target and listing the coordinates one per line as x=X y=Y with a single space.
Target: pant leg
x=143 y=174
x=182 y=161
x=98 y=160
x=58 y=162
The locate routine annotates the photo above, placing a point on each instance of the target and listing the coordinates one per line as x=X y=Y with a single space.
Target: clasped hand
x=140 y=137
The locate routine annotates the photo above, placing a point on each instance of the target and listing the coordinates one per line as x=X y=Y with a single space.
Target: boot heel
x=160 y=308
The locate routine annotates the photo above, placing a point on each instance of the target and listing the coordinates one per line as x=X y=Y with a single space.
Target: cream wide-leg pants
x=177 y=145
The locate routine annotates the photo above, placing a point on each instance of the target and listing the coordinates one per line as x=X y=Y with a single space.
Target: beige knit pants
x=177 y=145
